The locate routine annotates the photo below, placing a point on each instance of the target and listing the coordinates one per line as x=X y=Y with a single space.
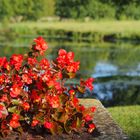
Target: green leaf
x=60 y=116
x=53 y=130
x=15 y=102
x=63 y=98
x=20 y=130
x=59 y=129
x=63 y=118
x=78 y=122
x=12 y=109
x=40 y=117
x=56 y=116
x=56 y=129
x=67 y=127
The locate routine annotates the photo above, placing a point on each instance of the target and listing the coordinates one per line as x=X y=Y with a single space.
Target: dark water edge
x=66 y=35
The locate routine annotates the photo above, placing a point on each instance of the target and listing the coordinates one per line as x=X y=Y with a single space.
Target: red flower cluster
x=16 y=61
x=66 y=61
x=4 y=63
x=41 y=45
x=48 y=125
x=44 y=64
x=33 y=93
x=32 y=61
x=14 y=122
x=54 y=101
x=26 y=79
x=3 y=60
x=3 y=111
x=34 y=123
x=87 y=83
x=26 y=106
x=15 y=90
x=91 y=127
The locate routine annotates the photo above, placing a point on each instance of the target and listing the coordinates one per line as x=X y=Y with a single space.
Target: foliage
x=95 y=9
x=70 y=8
x=98 y=9
x=33 y=94
x=5 y=9
x=49 y=7
x=132 y=11
x=26 y=9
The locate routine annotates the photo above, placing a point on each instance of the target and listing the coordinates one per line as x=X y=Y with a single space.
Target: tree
x=28 y=9
x=6 y=10
x=98 y=10
x=71 y=8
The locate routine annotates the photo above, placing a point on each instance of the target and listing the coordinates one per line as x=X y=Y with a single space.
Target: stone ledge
x=105 y=124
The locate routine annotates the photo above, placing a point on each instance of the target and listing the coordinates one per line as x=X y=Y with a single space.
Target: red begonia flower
x=44 y=63
x=88 y=118
x=48 y=125
x=71 y=92
x=16 y=60
x=3 y=60
x=89 y=84
x=15 y=90
x=66 y=61
x=91 y=127
x=93 y=109
x=32 y=61
x=2 y=77
x=26 y=106
x=15 y=117
x=34 y=122
x=54 y=101
x=14 y=123
x=41 y=45
x=26 y=78
x=35 y=97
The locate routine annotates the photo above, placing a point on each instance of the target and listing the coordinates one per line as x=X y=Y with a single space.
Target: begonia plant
x=33 y=93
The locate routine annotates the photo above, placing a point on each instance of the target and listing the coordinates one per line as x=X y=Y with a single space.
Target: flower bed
x=34 y=98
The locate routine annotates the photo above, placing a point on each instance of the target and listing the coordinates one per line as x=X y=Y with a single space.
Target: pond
x=115 y=67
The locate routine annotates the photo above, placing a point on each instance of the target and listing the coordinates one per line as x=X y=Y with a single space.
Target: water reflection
x=103 y=69
x=115 y=67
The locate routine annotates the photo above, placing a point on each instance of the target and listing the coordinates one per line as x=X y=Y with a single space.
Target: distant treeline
x=78 y=9
x=26 y=9
x=98 y=9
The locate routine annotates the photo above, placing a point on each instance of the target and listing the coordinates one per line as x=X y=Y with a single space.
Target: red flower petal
x=48 y=125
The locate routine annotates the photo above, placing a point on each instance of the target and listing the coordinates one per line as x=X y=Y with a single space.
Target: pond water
x=115 y=67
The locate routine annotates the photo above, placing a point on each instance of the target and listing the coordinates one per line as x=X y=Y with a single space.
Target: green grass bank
x=77 y=31
x=128 y=118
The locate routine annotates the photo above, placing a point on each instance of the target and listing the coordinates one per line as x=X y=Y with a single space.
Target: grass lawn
x=96 y=26
x=128 y=118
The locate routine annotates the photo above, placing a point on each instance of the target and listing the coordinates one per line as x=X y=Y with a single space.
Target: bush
x=33 y=94
x=132 y=11
x=26 y=9
x=98 y=10
x=71 y=8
